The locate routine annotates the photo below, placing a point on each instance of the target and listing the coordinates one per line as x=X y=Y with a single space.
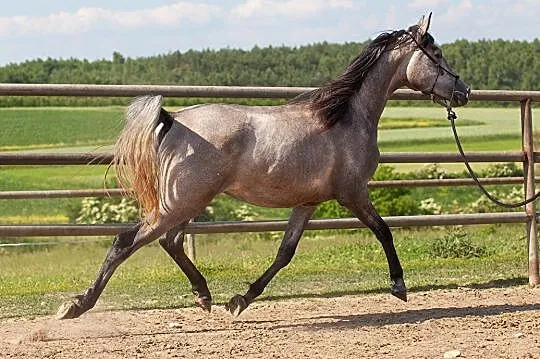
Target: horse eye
x=438 y=54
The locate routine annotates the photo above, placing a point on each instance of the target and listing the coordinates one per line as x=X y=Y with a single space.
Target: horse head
x=429 y=72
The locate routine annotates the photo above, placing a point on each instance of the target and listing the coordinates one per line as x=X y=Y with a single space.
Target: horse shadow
x=496 y=283
x=415 y=316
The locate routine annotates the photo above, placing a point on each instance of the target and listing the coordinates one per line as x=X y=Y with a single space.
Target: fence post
x=191 y=253
x=530 y=208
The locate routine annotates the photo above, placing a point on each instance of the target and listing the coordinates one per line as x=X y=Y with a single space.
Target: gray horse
x=320 y=146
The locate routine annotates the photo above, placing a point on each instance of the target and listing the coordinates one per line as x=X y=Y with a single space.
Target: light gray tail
x=135 y=152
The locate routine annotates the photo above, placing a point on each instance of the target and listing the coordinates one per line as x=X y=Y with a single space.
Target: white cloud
x=426 y=4
x=455 y=13
x=85 y=19
x=289 y=8
x=525 y=7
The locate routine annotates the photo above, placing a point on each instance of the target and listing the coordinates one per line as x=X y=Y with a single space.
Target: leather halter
x=440 y=69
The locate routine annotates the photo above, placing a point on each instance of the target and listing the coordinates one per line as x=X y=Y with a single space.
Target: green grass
x=508 y=142
x=36 y=282
x=52 y=177
x=14 y=178
x=30 y=128
x=392 y=123
x=497 y=124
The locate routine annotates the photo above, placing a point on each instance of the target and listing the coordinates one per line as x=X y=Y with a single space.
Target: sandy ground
x=468 y=323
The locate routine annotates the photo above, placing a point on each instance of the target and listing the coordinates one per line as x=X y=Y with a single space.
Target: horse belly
x=284 y=191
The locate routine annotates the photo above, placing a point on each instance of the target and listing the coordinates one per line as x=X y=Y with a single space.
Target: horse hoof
x=236 y=305
x=205 y=303
x=69 y=310
x=398 y=289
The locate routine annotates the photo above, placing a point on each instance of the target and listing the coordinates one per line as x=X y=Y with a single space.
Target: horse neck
x=382 y=80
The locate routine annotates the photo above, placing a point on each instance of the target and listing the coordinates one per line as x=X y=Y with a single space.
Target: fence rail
x=527 y=156
x=265 y=226
x=224 y=92
x=104 y=158
x=116 y=192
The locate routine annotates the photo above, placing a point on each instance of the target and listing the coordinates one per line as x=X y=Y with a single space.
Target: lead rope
x=452 y=117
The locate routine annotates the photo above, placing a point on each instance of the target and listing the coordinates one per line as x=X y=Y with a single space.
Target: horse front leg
x=173 y=243
x=295 y=227
x=362 y=208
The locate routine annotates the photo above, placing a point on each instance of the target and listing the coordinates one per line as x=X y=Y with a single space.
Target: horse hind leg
x=173 y=243
x=295 y=227
x=362 y=208
x=125 y=244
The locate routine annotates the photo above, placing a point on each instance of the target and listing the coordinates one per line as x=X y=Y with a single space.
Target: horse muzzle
x=460 y=98
x=457 y=99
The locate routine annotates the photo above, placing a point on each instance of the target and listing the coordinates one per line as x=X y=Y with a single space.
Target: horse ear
x=423 y=25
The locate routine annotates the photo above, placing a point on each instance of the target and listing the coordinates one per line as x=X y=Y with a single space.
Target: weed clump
x=456 y=243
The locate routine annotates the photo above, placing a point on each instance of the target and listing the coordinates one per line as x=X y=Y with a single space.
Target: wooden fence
x=527 y=156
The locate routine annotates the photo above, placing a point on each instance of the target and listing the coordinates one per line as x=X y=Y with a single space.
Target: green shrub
x=431 y=171
x=509 y=169
x=331 y=209
x=430 y=206
x=456 y=244
x=224 y=208
x=107 y=210
x=393 y=201
x=484 y=205
x=403 y=205
x=244 y=212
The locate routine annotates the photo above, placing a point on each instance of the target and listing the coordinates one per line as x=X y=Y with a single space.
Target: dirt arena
x=467 y=323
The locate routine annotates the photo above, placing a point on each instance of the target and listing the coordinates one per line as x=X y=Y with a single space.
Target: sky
x=94 y=29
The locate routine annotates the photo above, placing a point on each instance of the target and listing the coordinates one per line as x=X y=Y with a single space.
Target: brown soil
x=473 y=323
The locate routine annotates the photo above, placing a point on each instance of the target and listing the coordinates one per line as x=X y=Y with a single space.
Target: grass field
x=54 y=210
x=34 y=281
x=395 y=123
x=499 y=130
x=31 y=128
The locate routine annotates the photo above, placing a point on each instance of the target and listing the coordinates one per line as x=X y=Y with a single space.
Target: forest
x=484 y=64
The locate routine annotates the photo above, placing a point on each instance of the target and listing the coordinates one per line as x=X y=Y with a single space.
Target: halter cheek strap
x=440 y=69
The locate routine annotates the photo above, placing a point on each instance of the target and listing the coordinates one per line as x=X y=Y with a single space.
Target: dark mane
x=331 y=102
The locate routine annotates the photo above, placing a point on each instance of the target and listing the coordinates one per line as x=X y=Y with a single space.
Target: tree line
x=485 y=64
